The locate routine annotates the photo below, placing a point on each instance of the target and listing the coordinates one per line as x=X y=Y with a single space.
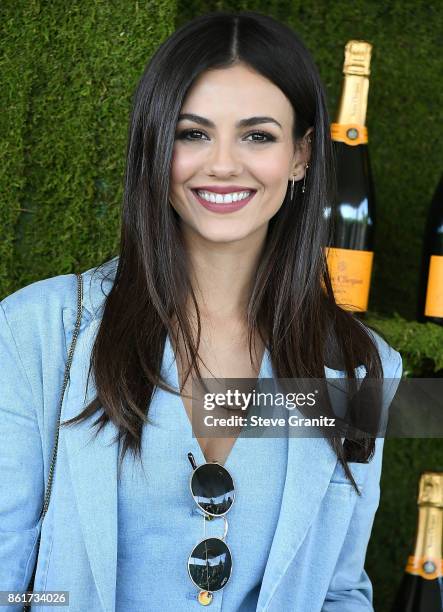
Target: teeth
x=227 y=198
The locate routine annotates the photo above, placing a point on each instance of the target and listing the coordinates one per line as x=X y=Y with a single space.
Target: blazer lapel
x=311 y=462
x=93 y=467
x=310 y=465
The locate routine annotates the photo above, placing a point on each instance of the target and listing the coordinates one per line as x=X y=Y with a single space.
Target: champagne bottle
x=421 y=589
x=350 y=253
x=430 y=300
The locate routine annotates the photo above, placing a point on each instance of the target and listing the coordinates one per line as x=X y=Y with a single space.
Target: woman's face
x=212 y=152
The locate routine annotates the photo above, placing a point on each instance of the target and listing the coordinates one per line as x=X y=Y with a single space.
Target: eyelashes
x=183 y=135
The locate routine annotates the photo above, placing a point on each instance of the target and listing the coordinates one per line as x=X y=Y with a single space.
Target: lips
x=223 y=207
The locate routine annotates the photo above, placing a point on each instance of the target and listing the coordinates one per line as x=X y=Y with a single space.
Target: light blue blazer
x=316 y=561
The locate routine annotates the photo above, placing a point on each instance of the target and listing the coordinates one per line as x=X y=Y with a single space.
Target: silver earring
x=303 y=189
x=292 y=187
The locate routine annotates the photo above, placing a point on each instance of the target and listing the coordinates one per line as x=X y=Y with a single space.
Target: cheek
x=274 y=168
x=182 y=165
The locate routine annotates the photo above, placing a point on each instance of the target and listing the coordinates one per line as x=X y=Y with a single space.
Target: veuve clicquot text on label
x=350 y=253
x=421 y=589
x=430 y=299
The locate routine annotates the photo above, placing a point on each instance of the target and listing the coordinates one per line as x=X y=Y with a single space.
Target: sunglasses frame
x=209 y=516
x=232 y=564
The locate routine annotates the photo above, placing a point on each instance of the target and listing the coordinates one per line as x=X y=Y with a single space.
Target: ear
x=303 y=155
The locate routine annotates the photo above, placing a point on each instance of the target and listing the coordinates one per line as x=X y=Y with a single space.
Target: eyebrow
x=240 y=124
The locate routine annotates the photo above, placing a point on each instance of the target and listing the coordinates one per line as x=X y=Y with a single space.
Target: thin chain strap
x=65 y=382
x=26 y=606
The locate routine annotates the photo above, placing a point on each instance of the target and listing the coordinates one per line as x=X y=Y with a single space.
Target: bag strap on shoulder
x=26 y=607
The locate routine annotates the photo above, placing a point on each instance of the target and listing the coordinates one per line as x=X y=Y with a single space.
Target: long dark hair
x=291 y=304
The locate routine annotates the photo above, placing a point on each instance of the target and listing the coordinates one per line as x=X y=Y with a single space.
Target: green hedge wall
x=69 y=71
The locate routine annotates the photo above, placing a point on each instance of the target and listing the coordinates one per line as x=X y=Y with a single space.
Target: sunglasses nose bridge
x=225 y=528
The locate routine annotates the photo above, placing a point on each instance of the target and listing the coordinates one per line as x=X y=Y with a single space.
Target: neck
x=222 y=275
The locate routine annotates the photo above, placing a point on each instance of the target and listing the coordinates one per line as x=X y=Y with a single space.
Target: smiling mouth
x=229 y=198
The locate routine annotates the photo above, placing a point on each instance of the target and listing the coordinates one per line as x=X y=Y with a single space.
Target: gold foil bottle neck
x=357 y=58
x=430 y=489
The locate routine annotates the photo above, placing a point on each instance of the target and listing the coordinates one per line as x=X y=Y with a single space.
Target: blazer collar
x=93 y=467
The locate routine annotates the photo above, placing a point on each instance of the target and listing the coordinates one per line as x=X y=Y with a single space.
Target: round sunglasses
x=210 y=562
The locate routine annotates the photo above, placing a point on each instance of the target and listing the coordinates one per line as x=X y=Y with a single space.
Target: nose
x=223 y=159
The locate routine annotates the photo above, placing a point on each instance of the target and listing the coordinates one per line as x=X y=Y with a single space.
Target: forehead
x=234 y=91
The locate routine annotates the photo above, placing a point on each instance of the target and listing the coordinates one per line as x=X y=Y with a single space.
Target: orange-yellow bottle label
x=426 y=567
x=349 y=133
x=434 y=292
x=350 y=272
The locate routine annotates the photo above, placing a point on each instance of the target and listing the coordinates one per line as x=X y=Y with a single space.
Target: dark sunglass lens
x=210 y=564
x=213 y=488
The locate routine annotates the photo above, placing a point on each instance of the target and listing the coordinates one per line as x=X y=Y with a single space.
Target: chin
x=225 y=235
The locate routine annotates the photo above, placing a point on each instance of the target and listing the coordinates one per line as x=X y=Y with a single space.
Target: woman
x=229 y=109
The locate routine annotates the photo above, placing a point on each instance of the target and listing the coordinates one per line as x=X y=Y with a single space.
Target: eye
x=267 y=137
x=185 y=133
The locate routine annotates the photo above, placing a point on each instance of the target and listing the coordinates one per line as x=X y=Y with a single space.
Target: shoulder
x=392 y=365
x=42 y=303
x=37 y=324
x=38 y=320
x=390 y=358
